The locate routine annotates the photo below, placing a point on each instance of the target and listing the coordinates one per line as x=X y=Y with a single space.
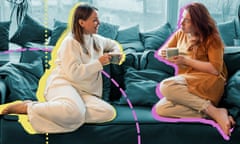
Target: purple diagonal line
x=115 y=83
x=129 y=104
x=123 y=92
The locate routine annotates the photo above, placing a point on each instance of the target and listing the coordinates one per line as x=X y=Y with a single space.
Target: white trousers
x=65 y=110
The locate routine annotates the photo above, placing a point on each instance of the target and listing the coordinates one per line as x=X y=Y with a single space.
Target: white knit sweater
x=80 y=70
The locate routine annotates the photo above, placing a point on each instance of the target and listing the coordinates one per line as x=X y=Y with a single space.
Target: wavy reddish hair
x=202 y=22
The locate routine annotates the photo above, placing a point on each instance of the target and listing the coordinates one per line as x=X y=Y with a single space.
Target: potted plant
x=21 y=8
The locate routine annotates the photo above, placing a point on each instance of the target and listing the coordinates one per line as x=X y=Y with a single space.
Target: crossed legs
x=178 y=102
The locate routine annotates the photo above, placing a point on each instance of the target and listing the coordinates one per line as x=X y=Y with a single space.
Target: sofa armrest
x=3 y=89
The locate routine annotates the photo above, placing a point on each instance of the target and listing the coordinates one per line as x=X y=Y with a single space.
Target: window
x=147 y=13
x=221 y=10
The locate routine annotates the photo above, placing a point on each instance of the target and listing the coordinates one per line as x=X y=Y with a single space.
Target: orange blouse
x=205 y=85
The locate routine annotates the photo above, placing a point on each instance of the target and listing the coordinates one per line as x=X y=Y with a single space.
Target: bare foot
x=225 y=122
x=17 y=108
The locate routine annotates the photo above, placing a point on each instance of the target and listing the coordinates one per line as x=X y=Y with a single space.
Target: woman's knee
x=101 y=114
x=164 y=88
x=169 y=89
x=72 y=116
x=161 y=109
x=109 y=114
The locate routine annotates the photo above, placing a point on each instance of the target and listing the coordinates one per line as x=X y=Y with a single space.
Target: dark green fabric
x=122 y=130
x=136 y=45
x=22 y=79
x=106 y=83
x=140 y=86
x=232 y=59
x=228 y=32
x=58 y=28
x=149 y=61
x=232 y=95
x=105 y=29
x=117 y=74
x=29 y=56
x=154 y=39
x=130 y=38
x=108 y=30
x=30 y=31
x=4 y=34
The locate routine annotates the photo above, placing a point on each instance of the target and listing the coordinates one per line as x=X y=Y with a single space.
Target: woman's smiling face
x=90 y=26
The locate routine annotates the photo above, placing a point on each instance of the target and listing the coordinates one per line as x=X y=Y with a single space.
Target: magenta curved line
x=115 y=83
x=174 y=120
x=129 y=104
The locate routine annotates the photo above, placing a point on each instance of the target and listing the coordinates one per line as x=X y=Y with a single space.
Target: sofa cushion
x=130 y=38
x=228 y=32
x=150 y=61
x=155 y=38
x=231 y=99
x=105 y=29
x=30 y=31
x=32 y=54
x=117 y=75
x=4 y=34
x=123 y=129
x=237 y=26
x=140 y=86
x=22 y=79
x=58 y=29
x=106 y=75
x=232 y=59
x=108 y=30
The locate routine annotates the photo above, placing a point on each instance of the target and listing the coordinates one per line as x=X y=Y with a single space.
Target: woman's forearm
x=201 y=66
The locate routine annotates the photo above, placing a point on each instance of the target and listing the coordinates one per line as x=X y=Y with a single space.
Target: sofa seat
x=121 y=130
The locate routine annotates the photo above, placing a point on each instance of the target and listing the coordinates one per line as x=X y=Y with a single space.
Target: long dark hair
x=202 y=21
x=82 y=11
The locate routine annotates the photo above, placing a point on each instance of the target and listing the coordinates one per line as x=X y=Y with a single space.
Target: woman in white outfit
x=74 y=87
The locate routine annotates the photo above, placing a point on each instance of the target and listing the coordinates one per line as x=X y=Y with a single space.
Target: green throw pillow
x=129 y=38
x=227 y=32
x=4 y=34
x=231 y=99
x=149 y=61
x=232 y=59
x=30 y=31
x=30 y=55
x=117 y=74
x=154 y=39
x=58 y=28
x=140 y=86
x=108 y=30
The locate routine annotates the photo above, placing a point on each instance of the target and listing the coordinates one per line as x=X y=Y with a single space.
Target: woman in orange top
x=199 y=85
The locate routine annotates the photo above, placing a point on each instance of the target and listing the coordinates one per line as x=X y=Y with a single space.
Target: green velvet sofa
x=130 y=87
